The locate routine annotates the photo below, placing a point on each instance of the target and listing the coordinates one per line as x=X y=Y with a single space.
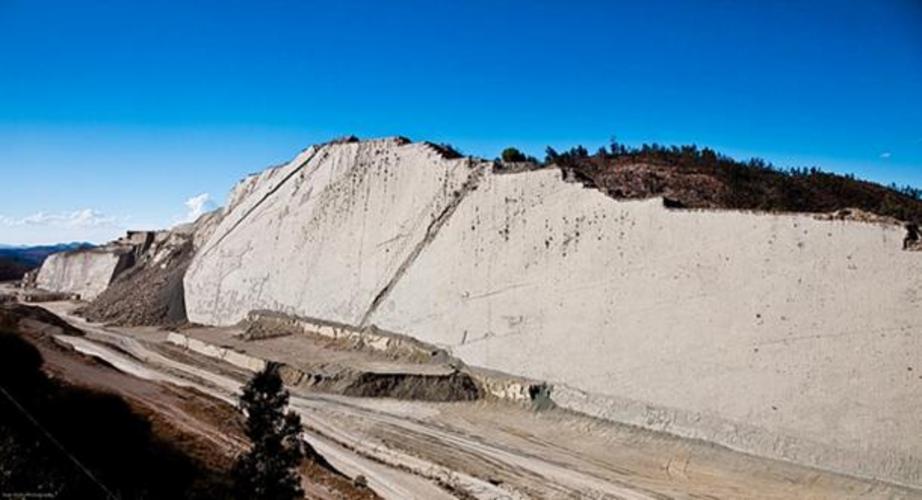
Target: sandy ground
x=426 y=450
x=208 y=429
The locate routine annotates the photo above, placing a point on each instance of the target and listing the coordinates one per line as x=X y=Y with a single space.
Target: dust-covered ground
x=484 y=449
x=205 y=429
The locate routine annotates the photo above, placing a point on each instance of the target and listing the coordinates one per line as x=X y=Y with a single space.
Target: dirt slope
x=151 y=291
x=147 y=294
x=207 y=430
x=702 y=178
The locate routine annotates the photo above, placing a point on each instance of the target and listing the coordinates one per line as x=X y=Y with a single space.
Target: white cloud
x=43 y=228
x=84 y=218
x=885 y=155
x=198 y=205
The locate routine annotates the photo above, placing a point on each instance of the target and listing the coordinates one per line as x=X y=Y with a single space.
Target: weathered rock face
x=324 y=233
x=84 y=272
x=136 y=279
x=780 y=335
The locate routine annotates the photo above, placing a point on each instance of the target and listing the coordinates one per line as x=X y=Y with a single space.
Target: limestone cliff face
x=326 y=233
x=781 y=335
x=86 y=273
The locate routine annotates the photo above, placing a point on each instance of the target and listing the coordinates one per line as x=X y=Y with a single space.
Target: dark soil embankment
x=15 y=317
x=454 y=387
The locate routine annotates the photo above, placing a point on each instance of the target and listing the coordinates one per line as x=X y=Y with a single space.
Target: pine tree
x=512 y=155
x=268 y=471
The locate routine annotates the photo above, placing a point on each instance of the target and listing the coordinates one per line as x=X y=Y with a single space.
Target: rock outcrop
x=135 y=280
x=781 y=335
x=150 y=292
x=326 y=232
x=83 y=272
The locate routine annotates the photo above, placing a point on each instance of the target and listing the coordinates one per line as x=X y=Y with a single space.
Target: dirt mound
x=151 y=291
x=454 y=387
x=348 y=381
x=145 y=294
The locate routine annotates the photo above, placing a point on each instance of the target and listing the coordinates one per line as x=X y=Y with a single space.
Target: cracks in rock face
x=434 y=226
x=265 y=197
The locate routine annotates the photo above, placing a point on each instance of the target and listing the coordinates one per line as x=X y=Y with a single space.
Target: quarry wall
x=324 y=233
x=84 y=272
x=779 y=335
x=138 y=275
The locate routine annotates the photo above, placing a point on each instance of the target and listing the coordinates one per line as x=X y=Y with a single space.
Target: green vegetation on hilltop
x=703 y=178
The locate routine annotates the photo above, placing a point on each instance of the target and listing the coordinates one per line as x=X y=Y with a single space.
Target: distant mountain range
x=16 y=260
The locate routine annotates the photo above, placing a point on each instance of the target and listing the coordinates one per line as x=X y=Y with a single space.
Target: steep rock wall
x=780 y=335
x=323 y=235
x=801 y=336
x=84 y=272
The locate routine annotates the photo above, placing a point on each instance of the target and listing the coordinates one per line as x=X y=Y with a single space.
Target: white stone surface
x=780 y=335
x=339 y=223
x=225 y=354
x=84 y=272
x=802 y=327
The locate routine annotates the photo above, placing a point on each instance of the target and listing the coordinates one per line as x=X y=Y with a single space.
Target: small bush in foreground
x=268 y=471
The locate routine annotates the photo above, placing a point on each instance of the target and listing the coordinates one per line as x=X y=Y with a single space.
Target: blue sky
x=114 y=114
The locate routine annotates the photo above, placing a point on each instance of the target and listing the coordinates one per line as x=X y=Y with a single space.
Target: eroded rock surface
x=747 y=329
x=83 y=272
x=326 y=233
